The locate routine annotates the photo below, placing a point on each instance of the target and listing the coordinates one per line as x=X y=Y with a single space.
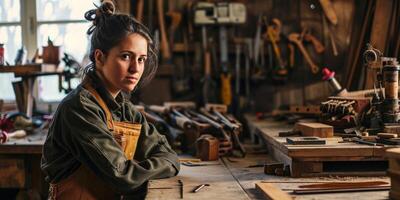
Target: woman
x=99 y=146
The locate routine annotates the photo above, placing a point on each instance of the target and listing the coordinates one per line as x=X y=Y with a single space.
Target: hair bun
x=106 y=8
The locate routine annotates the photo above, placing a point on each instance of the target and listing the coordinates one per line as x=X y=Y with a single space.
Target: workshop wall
x=181 y=77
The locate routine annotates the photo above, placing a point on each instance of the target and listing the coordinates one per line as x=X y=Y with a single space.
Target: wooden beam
x=379 y=33
x=270 y=191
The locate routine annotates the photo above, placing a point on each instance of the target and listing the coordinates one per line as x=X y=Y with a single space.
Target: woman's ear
x=99 y=57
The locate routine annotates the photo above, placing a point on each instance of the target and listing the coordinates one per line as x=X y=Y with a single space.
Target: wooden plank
x=272 y=192
x=21 y=69
x=379 y=32
x=269 y=131
x=314 y=129
x=248 y=177
x=309 y=160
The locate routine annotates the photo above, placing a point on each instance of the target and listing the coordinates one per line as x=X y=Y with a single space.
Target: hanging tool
x=139 y=10
x=248 y=56
x=176 y=18
x=273 y=35
x=291 y=55
x=259 y=73
x=237 y=80
x=226 y=89
x=295 y=38
x=319 y=48
x=150 y=10
x=208 y=82
x=221 y=14
x=330 y=13
x=331 y=36
x=165 y=49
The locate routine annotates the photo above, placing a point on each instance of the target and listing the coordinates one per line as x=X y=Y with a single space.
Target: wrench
x=295 y=38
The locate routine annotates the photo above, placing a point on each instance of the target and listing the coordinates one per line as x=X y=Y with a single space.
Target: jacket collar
x=98 y=85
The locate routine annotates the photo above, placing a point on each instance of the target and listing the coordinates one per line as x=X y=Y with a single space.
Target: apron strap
x=89 y=87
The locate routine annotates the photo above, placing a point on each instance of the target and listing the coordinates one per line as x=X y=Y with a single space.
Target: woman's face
x=122 y=67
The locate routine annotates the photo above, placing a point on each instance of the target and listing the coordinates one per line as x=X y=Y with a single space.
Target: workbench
x=235 y=178
x=20 y=165
x=333 y=158
x=24 y=91
x=229 y=178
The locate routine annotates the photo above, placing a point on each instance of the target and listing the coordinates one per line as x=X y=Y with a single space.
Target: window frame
x=30 y=24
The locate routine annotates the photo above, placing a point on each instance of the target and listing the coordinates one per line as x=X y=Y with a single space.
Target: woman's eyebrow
x=133 y=53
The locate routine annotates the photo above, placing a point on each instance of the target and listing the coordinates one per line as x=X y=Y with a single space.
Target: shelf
x=31 y=69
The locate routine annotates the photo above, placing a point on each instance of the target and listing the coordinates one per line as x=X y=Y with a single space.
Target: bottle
x=1 y=54
x=21 y=56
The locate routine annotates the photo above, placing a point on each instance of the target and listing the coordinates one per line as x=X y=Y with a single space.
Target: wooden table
x=228 y=178
x=235 y=178
x=20 y=165
x=24 y=89
x=222 y=184
x=333 y=158
x=249 y=176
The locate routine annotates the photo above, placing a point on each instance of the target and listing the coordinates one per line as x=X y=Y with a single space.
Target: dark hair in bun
x=109 y=28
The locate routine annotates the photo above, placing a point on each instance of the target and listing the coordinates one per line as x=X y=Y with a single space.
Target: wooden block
x=314 y=129
x=387 y=135
x=305 y=140
x=12 y=173
x=207 y=148
x=369 y=138
x=272 y=192
x=391 y=129
x=393 y=153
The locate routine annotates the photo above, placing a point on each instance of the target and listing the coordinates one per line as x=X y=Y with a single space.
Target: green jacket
x=79 y=135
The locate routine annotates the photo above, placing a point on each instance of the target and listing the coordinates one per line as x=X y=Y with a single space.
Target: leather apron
x=83 y=183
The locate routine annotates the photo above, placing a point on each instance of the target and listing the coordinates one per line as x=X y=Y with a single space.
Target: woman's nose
x=133 y=66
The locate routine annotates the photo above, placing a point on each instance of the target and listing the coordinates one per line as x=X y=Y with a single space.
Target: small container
x=1 y=54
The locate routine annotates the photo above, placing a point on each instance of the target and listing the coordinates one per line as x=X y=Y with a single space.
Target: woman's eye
x=126 y=56
x=142 y=59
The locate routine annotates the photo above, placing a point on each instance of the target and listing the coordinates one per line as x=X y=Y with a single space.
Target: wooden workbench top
x=232 y=178
x=222 y=184
x=235 y=178
x=269 y=129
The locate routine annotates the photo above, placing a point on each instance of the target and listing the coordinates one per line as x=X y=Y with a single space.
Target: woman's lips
x=132 y=79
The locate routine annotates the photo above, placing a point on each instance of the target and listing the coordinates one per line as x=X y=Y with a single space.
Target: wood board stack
x=394 y=172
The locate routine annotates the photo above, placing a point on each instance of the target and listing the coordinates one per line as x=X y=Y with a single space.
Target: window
x=11 y=37
x=30 y=23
